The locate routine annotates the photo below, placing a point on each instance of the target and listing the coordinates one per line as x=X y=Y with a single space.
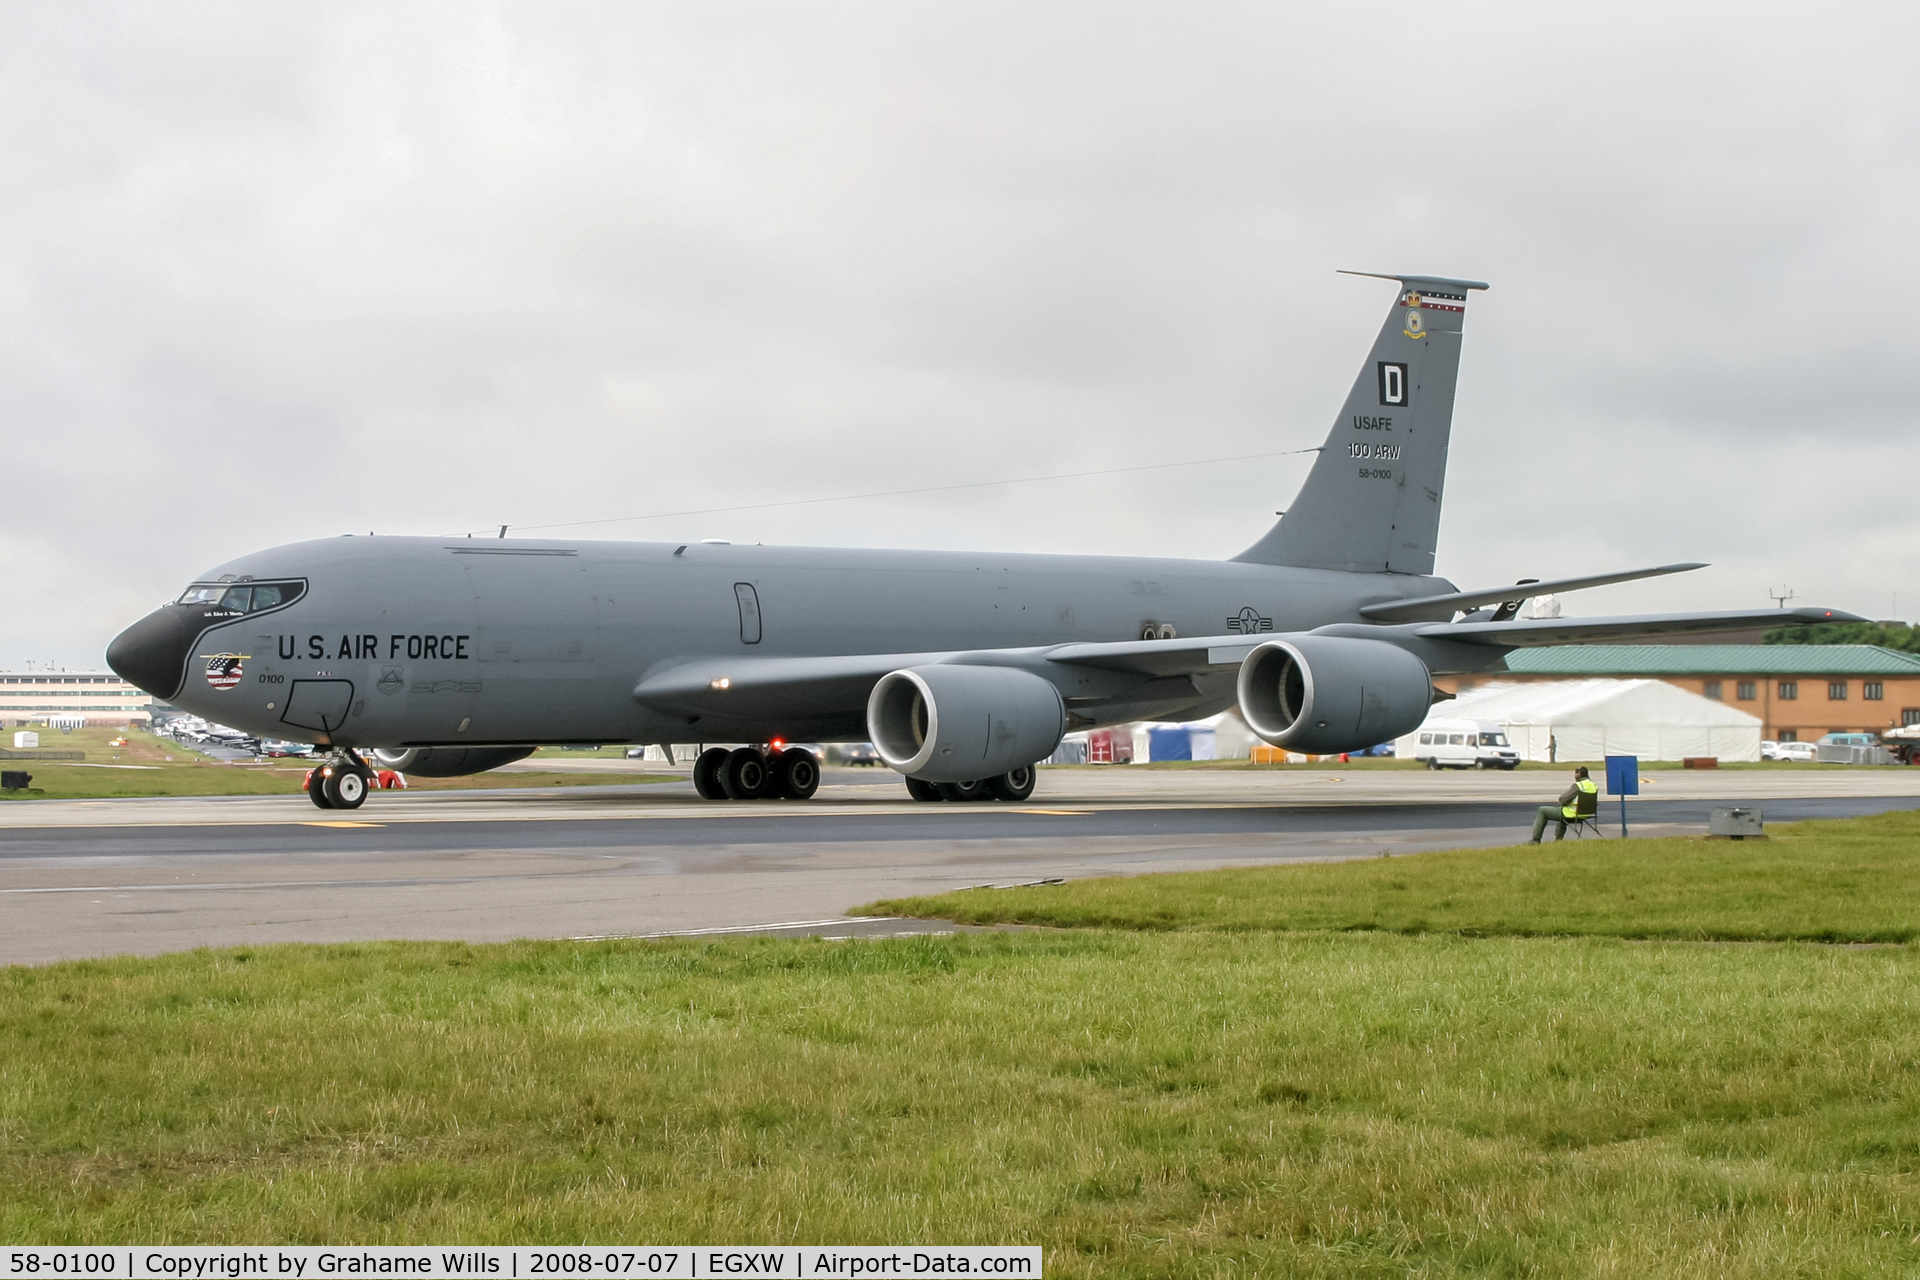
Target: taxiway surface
x=88 y=878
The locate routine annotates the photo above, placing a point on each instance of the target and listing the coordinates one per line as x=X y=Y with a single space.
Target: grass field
x=1222 y=1098
x=154 y=766
x=1371 y=763
x=1849 y=881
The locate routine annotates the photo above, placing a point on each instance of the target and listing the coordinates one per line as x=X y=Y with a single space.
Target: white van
x=1459 y=744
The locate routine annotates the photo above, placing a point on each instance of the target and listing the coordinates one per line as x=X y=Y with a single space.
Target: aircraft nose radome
x=153 y=652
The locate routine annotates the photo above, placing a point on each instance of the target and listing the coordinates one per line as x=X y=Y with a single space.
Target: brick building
x=1799 y=691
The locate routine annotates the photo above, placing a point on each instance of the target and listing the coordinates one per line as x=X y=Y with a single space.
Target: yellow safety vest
x=1584 y=784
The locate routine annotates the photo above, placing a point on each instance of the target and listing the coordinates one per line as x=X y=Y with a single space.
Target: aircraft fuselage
x=396 y=641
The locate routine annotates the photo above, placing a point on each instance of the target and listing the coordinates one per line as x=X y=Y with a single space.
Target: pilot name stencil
x=366 y=647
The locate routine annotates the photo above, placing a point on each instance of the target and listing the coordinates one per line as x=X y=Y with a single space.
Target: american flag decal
x=223 y=669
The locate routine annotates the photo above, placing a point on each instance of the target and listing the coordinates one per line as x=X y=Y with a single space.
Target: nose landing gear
x=340 y=782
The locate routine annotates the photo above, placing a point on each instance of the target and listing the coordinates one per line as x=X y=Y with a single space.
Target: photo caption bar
x=512 y=1262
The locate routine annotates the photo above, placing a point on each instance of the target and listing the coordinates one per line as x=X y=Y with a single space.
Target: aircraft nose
x=153 y=652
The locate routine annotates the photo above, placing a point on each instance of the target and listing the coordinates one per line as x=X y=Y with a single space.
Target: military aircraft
x=448 y=656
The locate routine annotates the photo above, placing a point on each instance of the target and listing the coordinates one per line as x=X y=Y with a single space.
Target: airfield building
x=1798 y=691
x=71 y=697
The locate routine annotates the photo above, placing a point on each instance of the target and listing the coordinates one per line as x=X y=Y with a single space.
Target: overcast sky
x=274 y=272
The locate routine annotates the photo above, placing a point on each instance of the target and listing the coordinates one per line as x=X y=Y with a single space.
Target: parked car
x=1769 y=749
x=853 y=753
x=1459 y=744
x=1794 y=751
x=1848 y=740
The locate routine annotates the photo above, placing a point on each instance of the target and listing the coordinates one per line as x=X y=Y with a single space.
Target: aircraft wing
x=1647 y=626
x=1427 y=608
x=806 y=685
x=799 y=685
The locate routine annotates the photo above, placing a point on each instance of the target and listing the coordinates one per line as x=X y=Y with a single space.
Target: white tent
x=1592 y=719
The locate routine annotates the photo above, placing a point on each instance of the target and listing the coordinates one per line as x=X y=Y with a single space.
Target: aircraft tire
x=927 y=792
x=1015 y=785
x=745 y=774
x=706 y=773
x=317 y=790
x=797 y=774
x=961 y=792
x=346 y=788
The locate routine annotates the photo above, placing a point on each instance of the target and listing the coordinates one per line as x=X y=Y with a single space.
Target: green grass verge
x=1846 y=881
x=153 y=766
x=1205 y=1092
x=1388 y=763
x=1202 y=1103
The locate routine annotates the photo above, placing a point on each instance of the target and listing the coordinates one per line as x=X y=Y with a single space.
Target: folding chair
x=1586 y=816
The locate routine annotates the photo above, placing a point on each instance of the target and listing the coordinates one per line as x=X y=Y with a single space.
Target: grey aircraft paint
x=393 y=642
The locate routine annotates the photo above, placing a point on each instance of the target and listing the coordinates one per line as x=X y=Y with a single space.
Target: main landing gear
x=756 y=773
x=341 y=781
x=1014 y=785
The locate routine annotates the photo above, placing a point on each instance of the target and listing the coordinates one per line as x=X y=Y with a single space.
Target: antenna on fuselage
x=503 y=531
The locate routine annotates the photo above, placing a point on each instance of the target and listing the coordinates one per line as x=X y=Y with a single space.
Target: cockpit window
x=242 y=599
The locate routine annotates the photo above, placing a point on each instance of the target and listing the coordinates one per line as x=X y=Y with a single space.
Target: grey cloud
x=269 y=273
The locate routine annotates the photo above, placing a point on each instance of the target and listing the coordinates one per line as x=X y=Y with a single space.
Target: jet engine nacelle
x=448 y=762
x=1324 y=694
x=956 y=724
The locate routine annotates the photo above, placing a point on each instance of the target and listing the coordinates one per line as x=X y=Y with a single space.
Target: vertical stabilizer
x=1371 y=504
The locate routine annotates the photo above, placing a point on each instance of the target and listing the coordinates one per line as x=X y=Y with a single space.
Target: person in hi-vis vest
x=1577 y=803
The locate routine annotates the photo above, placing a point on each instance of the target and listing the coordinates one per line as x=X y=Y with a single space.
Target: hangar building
x=1798 y=691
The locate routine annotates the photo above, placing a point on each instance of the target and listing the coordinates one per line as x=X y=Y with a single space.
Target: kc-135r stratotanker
x=453 y=655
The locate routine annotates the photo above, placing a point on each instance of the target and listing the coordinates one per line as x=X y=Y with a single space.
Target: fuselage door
x=749 y=612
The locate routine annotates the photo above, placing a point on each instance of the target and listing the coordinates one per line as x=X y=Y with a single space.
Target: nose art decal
x=223 y=669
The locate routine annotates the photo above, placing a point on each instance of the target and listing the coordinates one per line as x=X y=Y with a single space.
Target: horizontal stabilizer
x=1647 y=626
x=1440 y=608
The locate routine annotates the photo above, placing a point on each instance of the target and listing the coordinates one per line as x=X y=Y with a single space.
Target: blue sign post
x=1623 y=780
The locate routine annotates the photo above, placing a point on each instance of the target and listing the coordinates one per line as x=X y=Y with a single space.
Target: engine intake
x=957 y=724
x=1325 y=694
x=448 y=762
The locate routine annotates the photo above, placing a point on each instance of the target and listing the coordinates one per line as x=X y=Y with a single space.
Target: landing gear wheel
x=797 y=775
x=706 y=774
x=959 y=792
x=745 y=774
x=346 y=787
x=1015 y=784
x=317 y=790
x=925 y=791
